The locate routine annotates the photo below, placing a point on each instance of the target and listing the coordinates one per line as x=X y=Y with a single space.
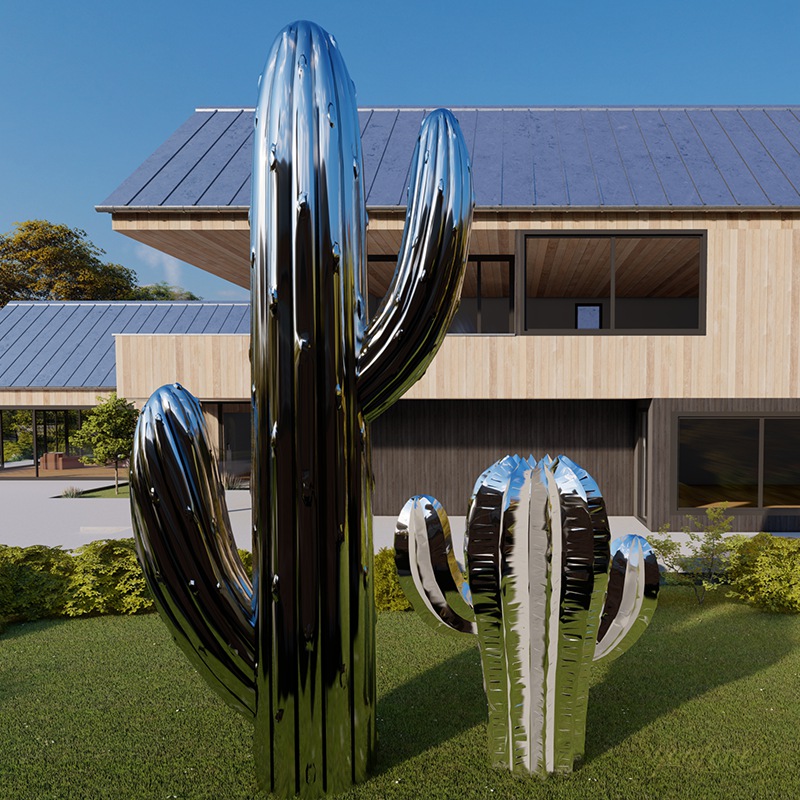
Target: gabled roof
x=547 y=158
x=71 y=345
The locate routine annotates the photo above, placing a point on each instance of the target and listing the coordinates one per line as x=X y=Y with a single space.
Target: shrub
x=34 y=581
x=389 y=595
x=706 y=563
x=247 y=561
x=71 y=491
x=765 y=571
x=231 y=481
x=107 y=579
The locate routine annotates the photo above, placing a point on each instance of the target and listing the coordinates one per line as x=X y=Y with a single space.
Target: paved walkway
x=32 y=512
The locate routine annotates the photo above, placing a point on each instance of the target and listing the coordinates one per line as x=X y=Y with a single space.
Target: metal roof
x=71 y=344
x=643 y=157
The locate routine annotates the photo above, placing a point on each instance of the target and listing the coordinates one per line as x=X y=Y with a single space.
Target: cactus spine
x=321 y=373
x=537 y=555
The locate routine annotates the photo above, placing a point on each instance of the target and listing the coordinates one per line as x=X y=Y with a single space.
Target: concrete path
x=32 y=512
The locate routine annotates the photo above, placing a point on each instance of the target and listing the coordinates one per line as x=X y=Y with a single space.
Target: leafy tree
x=162 y=291
x=703 y=561
x=40 y=260
x=107 y=432
x=43 y=261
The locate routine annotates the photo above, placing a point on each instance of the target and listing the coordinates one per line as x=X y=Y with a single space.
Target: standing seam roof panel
x=774 y=139
x=10 y=329
x=68 y=319
x=391 y=180
x=670 y=167
x=549 y=181
x=184 y=321
x=578 y=168
x=100 y=358
x=771 y=179
x=225 y=187
x=518 y=157
x=212 y=163
x=487 y=158
x=642 y=177
x=739 y=179
x=201 y=319
x=612 y=180
x=218 y=318
x=707 y=179
x=14 y=360
x=373 y=144
x=237 y=322
x=175 y=170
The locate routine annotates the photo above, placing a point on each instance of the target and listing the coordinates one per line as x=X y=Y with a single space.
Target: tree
x=107 y=432
x=43 y=261
x=163 y=291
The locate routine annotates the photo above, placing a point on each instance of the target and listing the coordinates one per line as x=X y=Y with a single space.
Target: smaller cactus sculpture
x=544 y=596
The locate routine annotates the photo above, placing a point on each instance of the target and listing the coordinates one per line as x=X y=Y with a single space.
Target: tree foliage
x=107 y=433
x=43 y=261
x=40 y=260
x=162 y=291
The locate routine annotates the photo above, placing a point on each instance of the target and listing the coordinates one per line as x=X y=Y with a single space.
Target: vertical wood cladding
x=440 y=447
x=663 y=461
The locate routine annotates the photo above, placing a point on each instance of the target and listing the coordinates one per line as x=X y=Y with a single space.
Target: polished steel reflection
x=538 y=558
x=300 y=654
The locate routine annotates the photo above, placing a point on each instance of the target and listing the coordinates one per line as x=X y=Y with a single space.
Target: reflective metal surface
x=321 y=372
x=537 y=555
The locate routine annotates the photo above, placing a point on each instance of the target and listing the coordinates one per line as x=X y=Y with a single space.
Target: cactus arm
x=427 y=569
x=632 y=597
x=410 y=324
x=186 y=548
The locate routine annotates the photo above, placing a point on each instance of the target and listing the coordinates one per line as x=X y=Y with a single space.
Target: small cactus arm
x=304 y=660
x=537 y=556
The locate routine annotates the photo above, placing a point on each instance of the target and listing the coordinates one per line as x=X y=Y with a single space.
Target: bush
x=247 y=561
x=389 y=595
x=107 y=579
x=34 y=581
x=765 y=571
x=705 y=566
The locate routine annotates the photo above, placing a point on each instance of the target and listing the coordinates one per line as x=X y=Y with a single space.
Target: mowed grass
x=705 y=705
x=108 y=491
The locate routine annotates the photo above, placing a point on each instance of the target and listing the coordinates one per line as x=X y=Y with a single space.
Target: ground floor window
x=748 y=462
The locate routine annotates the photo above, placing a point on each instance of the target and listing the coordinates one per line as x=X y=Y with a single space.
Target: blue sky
x=89 y=89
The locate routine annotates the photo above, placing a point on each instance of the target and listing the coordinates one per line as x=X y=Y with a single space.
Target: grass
x=108 y=491
x=705 y=705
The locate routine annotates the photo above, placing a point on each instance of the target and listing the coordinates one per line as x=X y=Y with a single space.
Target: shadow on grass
x=430 y=709
x=687 y=652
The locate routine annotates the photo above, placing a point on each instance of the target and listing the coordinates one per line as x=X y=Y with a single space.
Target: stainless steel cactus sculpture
x=539 y=597
x=295 y=650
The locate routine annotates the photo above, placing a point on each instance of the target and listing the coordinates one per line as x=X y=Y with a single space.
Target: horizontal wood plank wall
x=51 y=398
x=663 y=466
x=211 y=367
x=440 y=448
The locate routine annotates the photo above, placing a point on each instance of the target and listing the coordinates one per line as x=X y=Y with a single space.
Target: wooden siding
x=440 y=448
x=211 y=367
x=751 y=347
x=51 y=398
x=663 y=466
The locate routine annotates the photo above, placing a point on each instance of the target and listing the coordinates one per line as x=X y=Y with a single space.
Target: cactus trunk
x=537 y=554
x=297 y=649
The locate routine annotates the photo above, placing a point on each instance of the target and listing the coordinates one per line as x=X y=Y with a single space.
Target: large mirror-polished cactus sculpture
x=295 y=650
x=539 y=597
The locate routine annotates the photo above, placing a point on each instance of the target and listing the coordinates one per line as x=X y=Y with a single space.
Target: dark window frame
x=761 y=417
x=478 y=259
x=521 y=283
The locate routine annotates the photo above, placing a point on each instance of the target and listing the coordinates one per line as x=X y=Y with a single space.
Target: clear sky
x=89 y=88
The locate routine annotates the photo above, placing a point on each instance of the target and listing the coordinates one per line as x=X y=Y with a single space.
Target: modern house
x=632 y=299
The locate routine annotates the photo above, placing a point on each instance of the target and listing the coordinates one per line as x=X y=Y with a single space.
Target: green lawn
x=108 y=491
x=706 y=705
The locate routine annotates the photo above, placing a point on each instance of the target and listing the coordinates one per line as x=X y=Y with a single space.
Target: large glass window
x=745 y=462
x=487 y=296
x=625 y=282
